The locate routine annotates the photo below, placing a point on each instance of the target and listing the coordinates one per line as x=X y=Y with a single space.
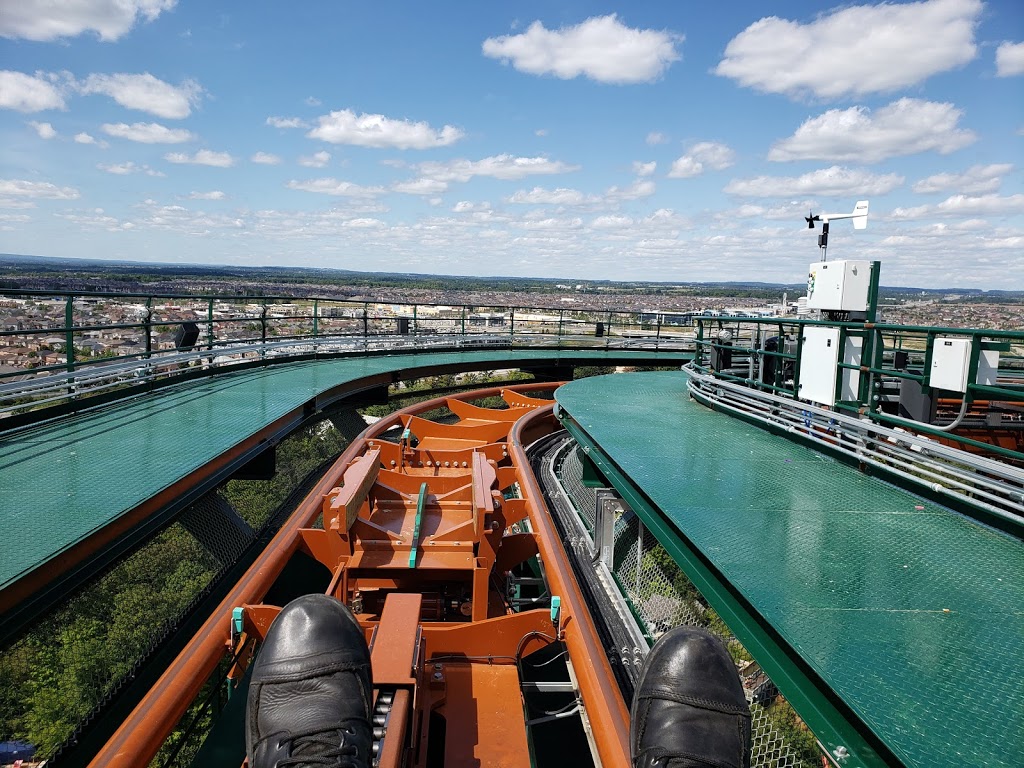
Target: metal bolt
x=841 y=752
x=438 y=675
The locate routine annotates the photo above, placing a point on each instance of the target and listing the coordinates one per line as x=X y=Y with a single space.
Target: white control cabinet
x=951 y=360
x=819 y=362
x=839 y=285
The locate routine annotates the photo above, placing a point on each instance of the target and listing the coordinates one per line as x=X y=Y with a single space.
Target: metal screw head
x=438 y=675
x=840 y=752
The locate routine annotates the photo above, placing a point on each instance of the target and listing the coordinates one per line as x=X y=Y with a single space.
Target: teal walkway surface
x=65 y=480
x=912 y=614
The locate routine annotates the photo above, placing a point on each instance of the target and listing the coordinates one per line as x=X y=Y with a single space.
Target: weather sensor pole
x=859 y=216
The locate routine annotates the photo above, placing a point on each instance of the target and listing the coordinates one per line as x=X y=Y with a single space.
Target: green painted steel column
x=69 y=333
x=149 y=326
x=209 y=324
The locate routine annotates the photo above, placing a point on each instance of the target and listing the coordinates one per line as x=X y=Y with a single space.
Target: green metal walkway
x=65 y=480
x=911 y=614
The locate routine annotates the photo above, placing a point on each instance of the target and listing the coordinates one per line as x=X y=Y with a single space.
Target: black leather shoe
x=689 y=710
x=311 y=689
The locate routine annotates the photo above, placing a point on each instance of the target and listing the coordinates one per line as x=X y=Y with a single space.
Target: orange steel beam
x=143 y=732
x=606 y=710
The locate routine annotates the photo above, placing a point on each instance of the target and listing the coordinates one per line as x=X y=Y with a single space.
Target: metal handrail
x=979 y=482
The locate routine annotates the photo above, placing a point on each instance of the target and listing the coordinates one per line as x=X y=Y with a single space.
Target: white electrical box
x=951 y=360
x=852 y=352
x=839 y=285
x=819 y=362
x=988 y=367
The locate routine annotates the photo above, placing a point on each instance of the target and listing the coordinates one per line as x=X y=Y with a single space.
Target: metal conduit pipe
x=144 y=731
x=602 y=699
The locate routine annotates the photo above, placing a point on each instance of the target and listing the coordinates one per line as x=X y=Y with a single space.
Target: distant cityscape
x=139 y=322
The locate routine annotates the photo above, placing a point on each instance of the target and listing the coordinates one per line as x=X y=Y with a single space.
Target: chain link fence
x=70 y=666
x=660 y=597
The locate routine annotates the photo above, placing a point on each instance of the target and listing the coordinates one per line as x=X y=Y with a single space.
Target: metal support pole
x=149 y=327
x=209 y=324
x=69 y=333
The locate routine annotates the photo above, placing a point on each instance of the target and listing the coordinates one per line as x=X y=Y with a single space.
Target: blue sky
x=650 y=140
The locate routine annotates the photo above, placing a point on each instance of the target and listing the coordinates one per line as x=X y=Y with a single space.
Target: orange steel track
x=416 y=535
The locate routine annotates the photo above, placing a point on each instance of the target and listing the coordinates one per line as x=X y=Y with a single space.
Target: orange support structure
x=416 y=536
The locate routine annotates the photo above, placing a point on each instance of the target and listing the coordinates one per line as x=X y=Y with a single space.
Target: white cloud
x=363 y=223
x=43 y=190
x=601 y=48
x=857 y=134
x=312 y=101
x=635 y=191
x=202 y=157
x=498 y=167
x=45 y=130
x=1009 y=59
x=27 y=93
x=420 y=187
x=465 y=206
x=704 y=155
x=146 y=93
x=977 y=179
x=84 y=138
x=541 y=196
x=551 y=224
x=854 y=50
x=828 y=182
x=265 y=158
x=147 y=133
x=644 y=169
x=129 y=167
x=611 y=222
x=654 y=138
x=965 y=205
x=46 y=20
x=346 y=127
x=318 y=160
x=286 y=122
x=542 y=132
x=334 y=187
x=214 y=195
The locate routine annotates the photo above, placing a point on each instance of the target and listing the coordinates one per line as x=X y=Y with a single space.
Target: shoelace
x=325 y=746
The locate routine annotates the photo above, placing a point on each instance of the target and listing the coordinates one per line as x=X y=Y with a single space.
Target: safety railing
x=896 y=376
x=645 y=594
x=884 y=399
x=60 y=346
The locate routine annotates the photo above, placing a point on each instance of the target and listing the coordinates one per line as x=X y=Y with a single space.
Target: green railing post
x=463 y=319
x=512 y=324
x=69 y=333
x=316 y=327
x=209 y=324
x=263 y=322
x=415 y=326
x=561 y=318
x=149 y=327
x=657 y=335
x=608 y=332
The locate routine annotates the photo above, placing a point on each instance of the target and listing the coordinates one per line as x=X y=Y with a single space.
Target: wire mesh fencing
x=69 y=666
x=660 y=597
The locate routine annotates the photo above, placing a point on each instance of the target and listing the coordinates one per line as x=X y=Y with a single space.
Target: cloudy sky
x=646 y=140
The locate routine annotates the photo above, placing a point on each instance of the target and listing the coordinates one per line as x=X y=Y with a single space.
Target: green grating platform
x=913 y=615
x=67 y=479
